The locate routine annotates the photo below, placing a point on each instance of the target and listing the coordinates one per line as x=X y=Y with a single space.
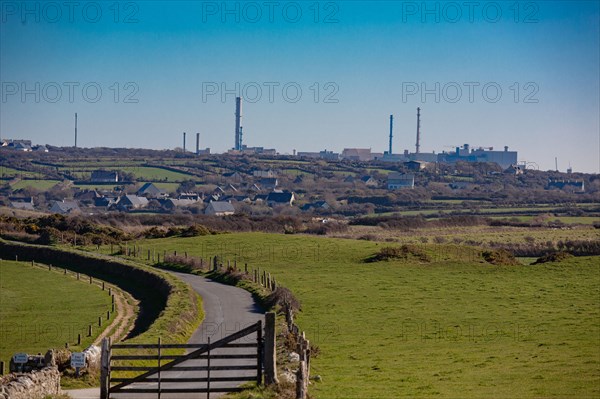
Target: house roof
x=317 y=204
x=285 y=197
x=265 y=181
x=65 y=206
x=366 y=178
x=179 y=202
x=87 y=195
x=134 y=200
x=108 y=175
x=150 y=188
x=22 y=205
x=400 y=176
x=221 y=206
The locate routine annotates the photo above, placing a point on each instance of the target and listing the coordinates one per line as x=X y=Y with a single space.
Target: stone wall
x=34 y=385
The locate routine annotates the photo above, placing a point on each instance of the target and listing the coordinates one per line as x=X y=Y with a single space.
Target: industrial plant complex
x=464 y=153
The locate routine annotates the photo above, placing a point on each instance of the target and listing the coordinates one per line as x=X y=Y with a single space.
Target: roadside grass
x=42 y=309
x=448 y=328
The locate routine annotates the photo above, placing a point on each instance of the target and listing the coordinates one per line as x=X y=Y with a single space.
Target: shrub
x=195 y=230
x=500 y=257
x=553 y=257
x=282 y=296
x=404 y=252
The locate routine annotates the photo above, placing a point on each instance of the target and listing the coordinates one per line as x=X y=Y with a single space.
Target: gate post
x=270 y=351
x=259 y=365
x=104 y=369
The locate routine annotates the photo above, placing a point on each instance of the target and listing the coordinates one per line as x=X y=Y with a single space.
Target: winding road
x=227 y=309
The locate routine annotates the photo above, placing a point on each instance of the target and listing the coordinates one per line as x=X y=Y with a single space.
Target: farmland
x=140 y=172
x=453 y=327
x=42 y=309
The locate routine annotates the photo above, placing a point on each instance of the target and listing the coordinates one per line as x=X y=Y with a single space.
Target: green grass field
x=454 y=328
x=41 y=309
x=10 y=172
x=140 y=172
x=41 y=185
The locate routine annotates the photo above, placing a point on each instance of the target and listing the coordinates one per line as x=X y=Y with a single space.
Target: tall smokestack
x=197 y=143
x=75 y=129
x=238 y=123
x=391 y=130
x=418 y=130
x=183 y=141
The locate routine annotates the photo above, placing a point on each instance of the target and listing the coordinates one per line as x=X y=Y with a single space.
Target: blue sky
x=354 y=62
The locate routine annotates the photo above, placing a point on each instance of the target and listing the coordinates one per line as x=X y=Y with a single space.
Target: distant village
x=235 y=188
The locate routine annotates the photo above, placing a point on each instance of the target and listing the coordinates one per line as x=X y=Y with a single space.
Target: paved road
x=227 y=310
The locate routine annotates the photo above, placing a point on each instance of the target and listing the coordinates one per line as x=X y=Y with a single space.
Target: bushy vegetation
x=404 y=252
x=500 y=257
x=553 y=257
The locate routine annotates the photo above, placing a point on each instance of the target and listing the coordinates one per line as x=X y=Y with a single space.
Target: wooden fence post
x=301 y=381
x=104 y=369
x=270 y=351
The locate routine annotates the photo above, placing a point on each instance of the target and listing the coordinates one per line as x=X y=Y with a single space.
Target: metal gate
x=219 y=366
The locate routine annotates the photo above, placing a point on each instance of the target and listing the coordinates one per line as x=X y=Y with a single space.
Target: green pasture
x=42 y=309
x=455 y=327
x=41 y=185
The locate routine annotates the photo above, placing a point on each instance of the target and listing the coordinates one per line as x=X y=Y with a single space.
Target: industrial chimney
x=238 y=123
x=184 y=142
x=418 y=130
x=391 y=130
x=197 y=143
x=75 y=129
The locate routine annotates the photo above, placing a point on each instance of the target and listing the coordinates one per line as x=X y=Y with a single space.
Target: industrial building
x=504 y=158
x=465 y=153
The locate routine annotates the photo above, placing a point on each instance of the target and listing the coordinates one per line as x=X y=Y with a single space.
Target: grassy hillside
x=455 y=327
x=40 y=309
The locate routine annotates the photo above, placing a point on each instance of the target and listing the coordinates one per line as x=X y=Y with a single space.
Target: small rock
x=288 y=376
x=294 y=357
